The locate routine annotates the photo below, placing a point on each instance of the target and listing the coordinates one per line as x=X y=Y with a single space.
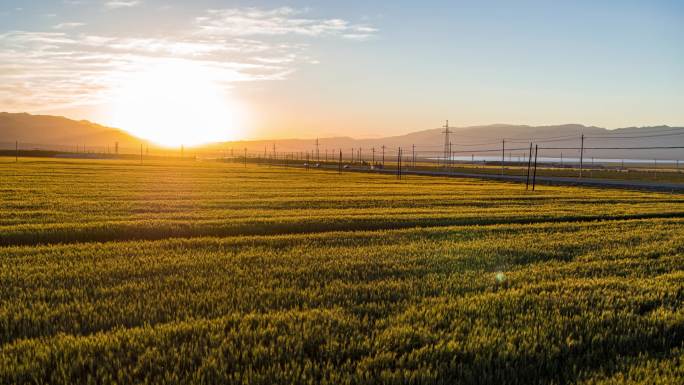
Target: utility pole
x=534 y=178
x=503 y=155
x=373 y=160
x=245 y=158
x=116 y=148
x=413 y=158
x=447 y=142
x=383 y=156
x=318 y=159
x=399 y=164
x=451 y=162
x=141 y=153
x=529 y=164
x=581 y=154
x=339 y=163
x=16 y=151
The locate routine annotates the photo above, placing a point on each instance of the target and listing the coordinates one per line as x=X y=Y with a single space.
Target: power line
x=617 y=148
x=664 y=130
x=635 y=137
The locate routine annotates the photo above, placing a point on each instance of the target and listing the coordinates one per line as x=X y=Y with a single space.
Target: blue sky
x=357 y=67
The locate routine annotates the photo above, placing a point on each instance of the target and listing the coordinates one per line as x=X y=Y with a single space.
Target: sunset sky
x=163 y=68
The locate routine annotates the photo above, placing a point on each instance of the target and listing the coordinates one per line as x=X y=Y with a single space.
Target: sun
x=175 y=103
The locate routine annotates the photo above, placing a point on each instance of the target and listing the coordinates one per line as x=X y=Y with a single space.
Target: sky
x=178 y=71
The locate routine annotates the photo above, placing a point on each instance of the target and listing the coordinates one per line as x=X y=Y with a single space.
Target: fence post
x=16 y=151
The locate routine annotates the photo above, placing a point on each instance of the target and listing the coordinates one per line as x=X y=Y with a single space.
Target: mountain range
x=60 y=133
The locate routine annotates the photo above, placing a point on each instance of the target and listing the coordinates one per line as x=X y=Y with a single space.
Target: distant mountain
x=466 y=141
x=54 y=132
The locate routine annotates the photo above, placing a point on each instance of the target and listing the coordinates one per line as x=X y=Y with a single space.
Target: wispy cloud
x=67 y=67
x=278 y=21
x=121 y=4
x=68 y=25
x=57 y=69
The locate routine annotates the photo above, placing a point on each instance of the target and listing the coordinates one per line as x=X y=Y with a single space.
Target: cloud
x=58 y=69
x=121 y=4
x=67 y=67
x=276 y=22
x=68 y=25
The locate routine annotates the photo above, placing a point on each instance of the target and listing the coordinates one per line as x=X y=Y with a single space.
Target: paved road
x=547 y=180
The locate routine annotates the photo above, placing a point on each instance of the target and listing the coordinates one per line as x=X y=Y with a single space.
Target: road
x=545 y=180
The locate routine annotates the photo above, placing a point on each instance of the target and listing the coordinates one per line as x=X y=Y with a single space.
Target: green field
x=213 y=273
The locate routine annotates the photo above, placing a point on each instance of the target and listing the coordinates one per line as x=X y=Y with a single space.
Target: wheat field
x=190 y=272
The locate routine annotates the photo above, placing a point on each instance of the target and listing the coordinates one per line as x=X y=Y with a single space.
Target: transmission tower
x=447 y=143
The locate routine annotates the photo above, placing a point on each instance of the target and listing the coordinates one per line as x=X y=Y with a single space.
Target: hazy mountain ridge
x=55 y=131
x=48 y=130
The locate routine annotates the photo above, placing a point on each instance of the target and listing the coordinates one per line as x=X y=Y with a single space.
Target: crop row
x=510 y=303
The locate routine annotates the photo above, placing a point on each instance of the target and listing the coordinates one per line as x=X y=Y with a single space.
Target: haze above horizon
x=174 y=72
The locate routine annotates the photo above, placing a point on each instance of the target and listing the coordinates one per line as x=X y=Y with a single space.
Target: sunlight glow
x=175 y=102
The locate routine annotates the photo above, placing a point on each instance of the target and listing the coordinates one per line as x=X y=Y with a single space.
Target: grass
x=202 y=272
